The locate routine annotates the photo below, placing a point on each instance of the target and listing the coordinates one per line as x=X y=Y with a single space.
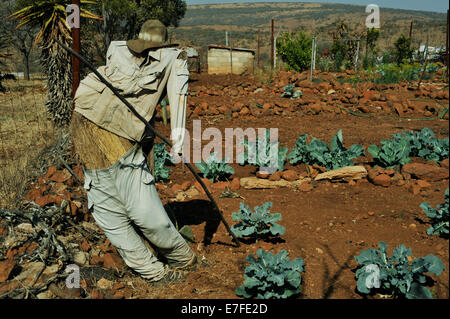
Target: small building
x=221 y=59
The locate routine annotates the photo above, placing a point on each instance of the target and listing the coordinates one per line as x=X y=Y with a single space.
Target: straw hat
x=153 y=35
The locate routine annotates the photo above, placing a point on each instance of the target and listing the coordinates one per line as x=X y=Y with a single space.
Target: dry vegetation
x=25 y=130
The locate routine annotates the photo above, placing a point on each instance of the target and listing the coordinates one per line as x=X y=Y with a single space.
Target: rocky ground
x=329 y=218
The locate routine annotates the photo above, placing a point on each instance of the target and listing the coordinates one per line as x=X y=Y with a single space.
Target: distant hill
x=206 y=24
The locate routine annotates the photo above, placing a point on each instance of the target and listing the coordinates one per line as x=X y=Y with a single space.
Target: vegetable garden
x=361 y=188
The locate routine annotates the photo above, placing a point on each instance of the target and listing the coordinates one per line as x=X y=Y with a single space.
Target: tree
x=4 y=40
x=20 y=38
x=50 y=17
x=371 y=37
x=122 y=20
x=295 y=50
x=403 y=51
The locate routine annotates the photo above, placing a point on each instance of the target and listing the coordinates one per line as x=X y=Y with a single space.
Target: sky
x=423 y=5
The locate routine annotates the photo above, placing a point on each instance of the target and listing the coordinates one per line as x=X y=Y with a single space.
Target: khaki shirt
x=142 y=85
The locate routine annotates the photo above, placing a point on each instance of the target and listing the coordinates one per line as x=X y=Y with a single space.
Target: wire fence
x=25 y=130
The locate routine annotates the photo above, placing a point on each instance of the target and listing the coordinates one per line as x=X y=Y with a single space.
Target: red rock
x=224 y=110
x=262 y=174
x=78 y=170
x=235 y=184
x=112 y=261
x=200 y=188
x=85 y=246
x=275 y=176
x=267 y=106
x=423 y=184
x=236 y=107
x=306 y=187
x=43 y=200
x=185 y=186
x=220 y=186
x=244 y=111
x=382 y=180
x=6 y=267
x=97 y=294
x=159 y=187
x=176 y=188
x=289 y=175
x=415 y=189
x=426 y=172
x=96 y=260
x=27 y=248
x=51 y=170
x=444 y=163
x=33 y=194
x=60 y=176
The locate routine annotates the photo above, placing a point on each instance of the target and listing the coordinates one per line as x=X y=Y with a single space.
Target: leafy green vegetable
x=265 y=154
x=396 y=274
x=289 y=92
x=162 y=158
x=397 y=150
x=439 y=216
x=391 y=153
x=317 y=152
x=214 y=169
x=258 y=223
x=425 y=144
x=271 y=276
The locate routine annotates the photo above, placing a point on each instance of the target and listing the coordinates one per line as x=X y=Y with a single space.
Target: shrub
x=214 y=169
x=395 y=275
x=439 y=217
x=403 y=52
x=295 y=50
x=256 y=224
x=271 y=276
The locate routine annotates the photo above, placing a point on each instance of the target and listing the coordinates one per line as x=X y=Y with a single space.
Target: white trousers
x=124 y=196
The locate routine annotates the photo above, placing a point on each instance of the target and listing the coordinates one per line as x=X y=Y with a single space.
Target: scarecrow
x=113 y=145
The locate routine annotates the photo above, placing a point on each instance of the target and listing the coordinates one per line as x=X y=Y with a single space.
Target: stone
x=80 y=258
x=289 y=175
x=258 y=183
x=306 y=187
x=275 y=176
x=30 y=273
x=112 y=261
x=423 y=184
x=176 y=188
x=235 y=184
x=105 y=284
x=344 y=173
x=382 y=180
x=6 y=267
x=444 y=163
x=186 y=185
x=425 y=172
x=60 y=176
x=262 y=174
x=220 y=186
x=244 y=111
x=205 y=181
